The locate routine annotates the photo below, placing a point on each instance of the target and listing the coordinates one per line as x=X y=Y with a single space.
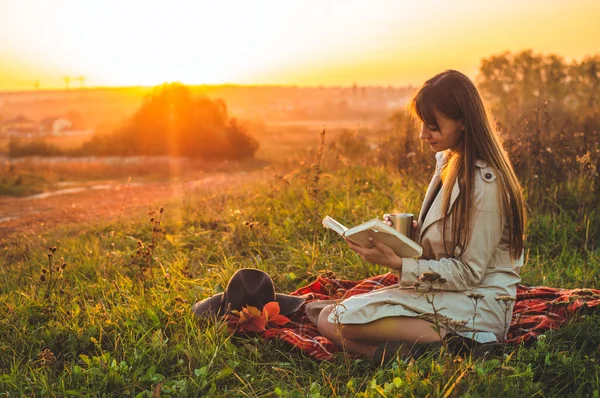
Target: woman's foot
x=464 y=346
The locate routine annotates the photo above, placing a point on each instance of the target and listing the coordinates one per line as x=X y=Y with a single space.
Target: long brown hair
x=454 y=94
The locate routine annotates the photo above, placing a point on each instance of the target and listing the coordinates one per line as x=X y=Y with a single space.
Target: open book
x=403 y=246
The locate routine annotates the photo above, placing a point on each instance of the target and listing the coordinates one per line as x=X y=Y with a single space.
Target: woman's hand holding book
x=379 y=253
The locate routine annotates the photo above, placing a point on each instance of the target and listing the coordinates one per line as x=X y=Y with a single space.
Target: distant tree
x=549 y=113
x=173 y=122
x=515 y=82
x=585 y=82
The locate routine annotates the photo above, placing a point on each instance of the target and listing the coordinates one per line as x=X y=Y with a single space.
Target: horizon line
x=214 y=85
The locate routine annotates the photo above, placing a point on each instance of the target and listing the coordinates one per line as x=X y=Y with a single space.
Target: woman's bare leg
x=333 y=333
x=358 y=348
x=394 y=328
x=362 y=339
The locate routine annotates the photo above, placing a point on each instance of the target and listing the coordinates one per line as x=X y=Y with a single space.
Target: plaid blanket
x=536 y=310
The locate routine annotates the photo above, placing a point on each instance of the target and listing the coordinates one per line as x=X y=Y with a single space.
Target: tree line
x=171 y=121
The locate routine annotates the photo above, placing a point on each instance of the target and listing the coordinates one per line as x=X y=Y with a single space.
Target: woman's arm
x=462 y=273
x=466 y=272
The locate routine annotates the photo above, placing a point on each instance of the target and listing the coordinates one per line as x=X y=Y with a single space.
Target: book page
x=330 y=223
x=402 y=245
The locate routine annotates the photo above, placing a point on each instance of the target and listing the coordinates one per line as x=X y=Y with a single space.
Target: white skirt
x=455 y=310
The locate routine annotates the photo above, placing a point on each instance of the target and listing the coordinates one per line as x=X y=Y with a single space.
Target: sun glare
x=161 y=44
x=147 y=42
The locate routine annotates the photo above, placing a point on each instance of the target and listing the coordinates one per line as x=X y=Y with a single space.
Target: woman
x=471 y=229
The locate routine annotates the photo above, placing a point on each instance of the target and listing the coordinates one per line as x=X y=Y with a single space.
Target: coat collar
x=435 y=210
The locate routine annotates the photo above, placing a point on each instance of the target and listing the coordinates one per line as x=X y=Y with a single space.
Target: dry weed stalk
x=317 y=171
x=507 y=302
x=111 y=236
x=475 y=298
x=144 y=254
x=127 y=187
x=52 y=275
x=314 y=191
x=427 y=283
x=338 y=326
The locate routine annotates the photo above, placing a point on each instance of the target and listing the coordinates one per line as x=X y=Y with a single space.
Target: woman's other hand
x=386 y=219
x=379 y=253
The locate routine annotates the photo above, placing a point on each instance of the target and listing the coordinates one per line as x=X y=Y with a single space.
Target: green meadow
x=105 y=310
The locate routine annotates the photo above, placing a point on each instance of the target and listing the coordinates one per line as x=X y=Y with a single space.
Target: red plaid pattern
x=536 y=310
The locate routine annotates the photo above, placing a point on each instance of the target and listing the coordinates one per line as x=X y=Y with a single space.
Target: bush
x=20 y=148
x=172 y=122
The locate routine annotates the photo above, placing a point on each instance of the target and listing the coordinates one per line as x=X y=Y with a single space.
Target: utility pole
x=68 y=80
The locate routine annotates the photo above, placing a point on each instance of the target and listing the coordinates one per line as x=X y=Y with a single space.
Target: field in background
x=39 y=192
x=275 y=136
x=283 y=141
x=61 y=142
x=282 y=144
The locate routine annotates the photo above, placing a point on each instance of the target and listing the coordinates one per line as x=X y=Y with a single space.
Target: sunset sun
x=252 y=42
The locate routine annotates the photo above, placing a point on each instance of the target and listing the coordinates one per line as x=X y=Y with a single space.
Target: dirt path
x=103 y=201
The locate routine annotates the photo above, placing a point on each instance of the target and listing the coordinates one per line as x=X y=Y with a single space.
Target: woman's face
x=448 y=135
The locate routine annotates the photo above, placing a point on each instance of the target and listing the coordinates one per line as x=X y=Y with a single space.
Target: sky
x=300 y=42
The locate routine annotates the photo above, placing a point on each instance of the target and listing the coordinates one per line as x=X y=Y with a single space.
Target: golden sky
x=304 y=42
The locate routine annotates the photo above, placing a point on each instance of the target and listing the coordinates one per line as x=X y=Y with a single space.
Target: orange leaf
x=251 y=311
x=251 y=320
x=270 y=309
x=259 y=324
x=278 y=320
x=243 y=318
x=254 y=325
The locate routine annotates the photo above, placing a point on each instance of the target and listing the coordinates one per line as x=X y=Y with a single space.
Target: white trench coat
x=485 y=267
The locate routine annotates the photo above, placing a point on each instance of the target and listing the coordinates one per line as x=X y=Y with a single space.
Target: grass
x=114 y=322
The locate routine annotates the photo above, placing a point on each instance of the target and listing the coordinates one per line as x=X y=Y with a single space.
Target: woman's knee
x=323 y=325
